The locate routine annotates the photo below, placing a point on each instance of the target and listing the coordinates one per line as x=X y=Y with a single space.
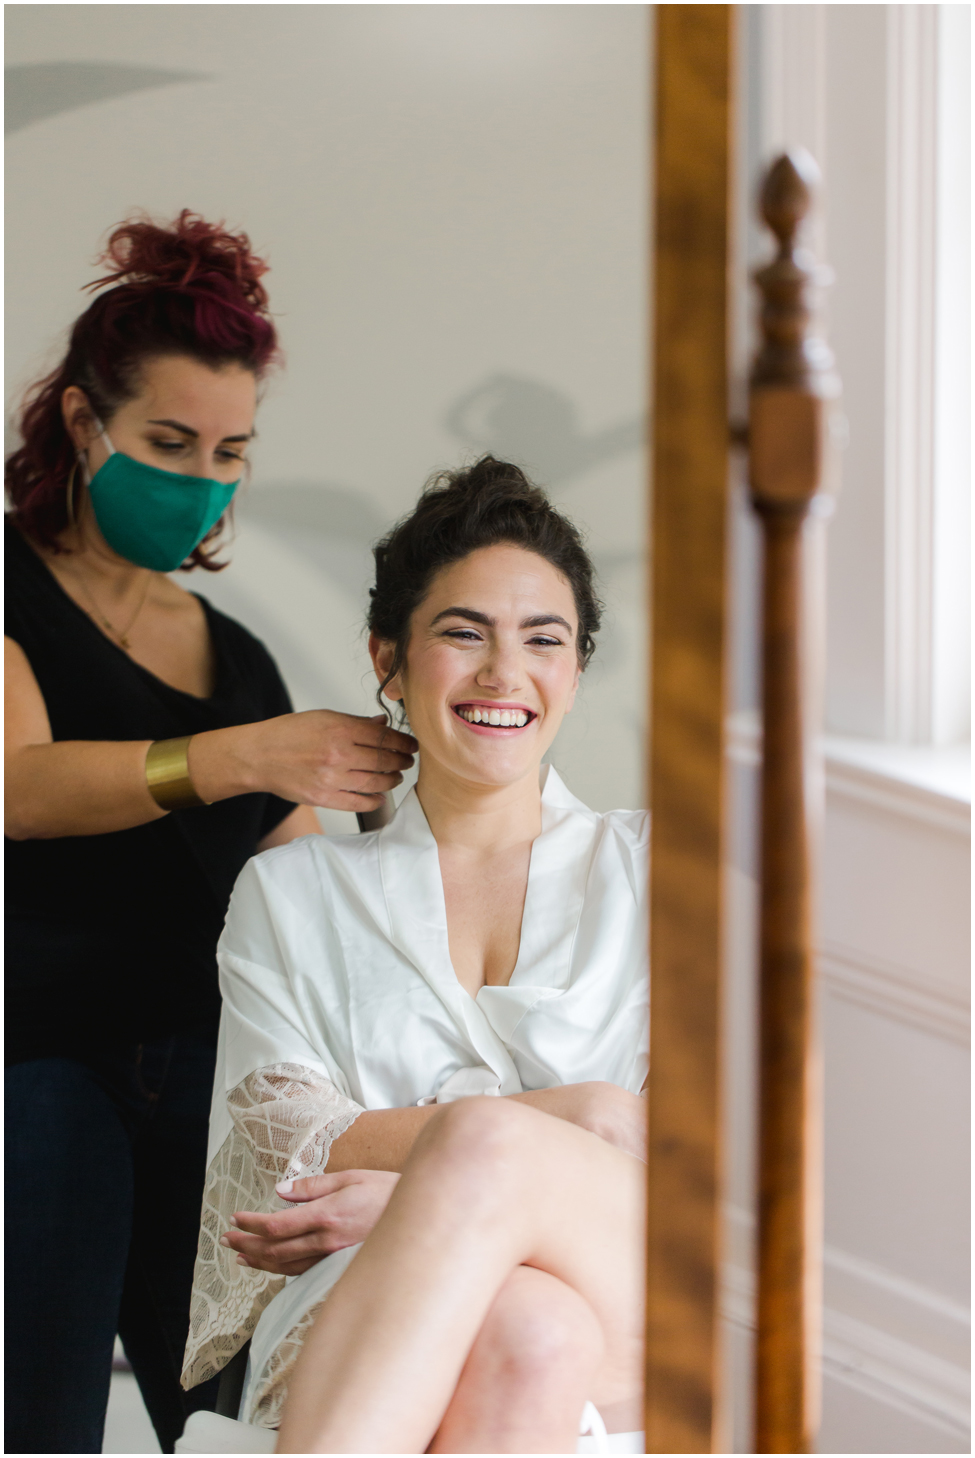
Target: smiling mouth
x=494 y=717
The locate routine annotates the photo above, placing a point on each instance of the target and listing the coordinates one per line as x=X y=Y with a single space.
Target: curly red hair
x=190 y=288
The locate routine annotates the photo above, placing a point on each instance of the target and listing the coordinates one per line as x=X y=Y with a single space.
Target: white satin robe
x=335 y=960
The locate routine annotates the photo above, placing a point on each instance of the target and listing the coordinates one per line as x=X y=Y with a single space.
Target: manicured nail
x=233 y=1221
x=241 y=1261
x=224 y=1240
x=285 y=1187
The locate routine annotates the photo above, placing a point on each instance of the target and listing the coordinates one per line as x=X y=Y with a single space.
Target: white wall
x=453 y=201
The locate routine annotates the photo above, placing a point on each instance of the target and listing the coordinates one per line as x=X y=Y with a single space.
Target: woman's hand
x=331 y=1211
x=612 y=1113
x=90 y=787
x=337 y=761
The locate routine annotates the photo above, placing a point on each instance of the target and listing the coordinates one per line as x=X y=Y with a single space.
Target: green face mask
x=152 y=517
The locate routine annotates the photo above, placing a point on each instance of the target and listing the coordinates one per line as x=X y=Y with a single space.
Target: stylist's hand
x=337 y=761
x=331 y=1211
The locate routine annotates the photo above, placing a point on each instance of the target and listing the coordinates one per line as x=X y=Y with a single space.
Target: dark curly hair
x=184 y=288
x=458 y=513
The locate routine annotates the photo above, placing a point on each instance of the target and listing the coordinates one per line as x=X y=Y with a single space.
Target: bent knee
x=485 y=1130
x=541 y=1328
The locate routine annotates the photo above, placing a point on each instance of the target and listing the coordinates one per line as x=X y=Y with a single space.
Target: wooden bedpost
x=689 y=511
x=790 y=385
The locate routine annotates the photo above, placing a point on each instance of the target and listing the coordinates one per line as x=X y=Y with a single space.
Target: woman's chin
x=492 y=763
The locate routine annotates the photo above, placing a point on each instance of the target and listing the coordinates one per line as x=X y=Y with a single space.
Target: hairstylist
x=151 y=750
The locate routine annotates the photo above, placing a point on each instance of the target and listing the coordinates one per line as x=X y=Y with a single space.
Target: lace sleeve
x=285 y=1119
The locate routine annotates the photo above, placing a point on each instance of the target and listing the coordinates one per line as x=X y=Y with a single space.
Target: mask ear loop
x=81 y=458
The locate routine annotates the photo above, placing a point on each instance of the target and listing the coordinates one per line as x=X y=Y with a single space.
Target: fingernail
x=285 y=1187
x=233 y=1220
x=224 y=1240
x=242 y=1261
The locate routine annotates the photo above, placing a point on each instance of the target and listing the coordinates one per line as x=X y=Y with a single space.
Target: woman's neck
x=479 y=818
x=86 y=554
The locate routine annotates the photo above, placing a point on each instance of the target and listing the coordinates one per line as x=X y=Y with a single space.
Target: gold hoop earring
x=69 y=494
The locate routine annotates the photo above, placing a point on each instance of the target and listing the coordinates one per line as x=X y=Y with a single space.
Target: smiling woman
x=486 y=950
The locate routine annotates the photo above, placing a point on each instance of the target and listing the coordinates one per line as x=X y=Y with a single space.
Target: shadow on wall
x=32 y=93
x=537 y=426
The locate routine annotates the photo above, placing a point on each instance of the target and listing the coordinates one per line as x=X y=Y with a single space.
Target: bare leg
x=491 y=1185
x=539 y=1348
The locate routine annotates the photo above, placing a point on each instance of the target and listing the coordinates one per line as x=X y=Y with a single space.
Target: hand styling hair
x=189 y=289
x=458 y=513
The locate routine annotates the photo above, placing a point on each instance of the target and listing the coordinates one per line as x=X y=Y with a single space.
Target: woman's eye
x=464 y=635
x=545 y=642
x=169 y=447
x=229 y=456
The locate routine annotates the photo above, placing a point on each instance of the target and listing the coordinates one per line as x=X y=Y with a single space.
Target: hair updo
x=189 y=289
x=459 y=512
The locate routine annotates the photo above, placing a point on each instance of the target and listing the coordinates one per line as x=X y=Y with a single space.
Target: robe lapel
x=554 y=903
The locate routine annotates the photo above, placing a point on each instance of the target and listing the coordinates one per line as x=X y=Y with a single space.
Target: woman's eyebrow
x=188 y=430
x=471 y=614
x=541 y=620
x=175 y=425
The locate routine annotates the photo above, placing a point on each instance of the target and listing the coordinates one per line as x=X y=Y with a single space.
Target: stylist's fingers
x=382 y=747
x=389 y=738
x=363 y=782
x=359 y=804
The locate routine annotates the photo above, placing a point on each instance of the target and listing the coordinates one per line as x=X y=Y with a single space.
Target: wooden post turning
x=790 y=385
x=688 y=531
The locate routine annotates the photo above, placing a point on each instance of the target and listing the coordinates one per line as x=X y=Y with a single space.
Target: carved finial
x=788 y=354
x=787 y=195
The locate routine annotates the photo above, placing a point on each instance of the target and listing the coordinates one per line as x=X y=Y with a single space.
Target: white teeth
x=502 y=718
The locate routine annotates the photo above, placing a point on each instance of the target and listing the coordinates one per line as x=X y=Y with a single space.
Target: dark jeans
x=105 y=1163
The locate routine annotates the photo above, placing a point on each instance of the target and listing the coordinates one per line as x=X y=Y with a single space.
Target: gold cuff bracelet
x=168 y=775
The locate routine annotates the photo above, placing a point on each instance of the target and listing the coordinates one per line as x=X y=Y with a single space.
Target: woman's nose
x=502 y=669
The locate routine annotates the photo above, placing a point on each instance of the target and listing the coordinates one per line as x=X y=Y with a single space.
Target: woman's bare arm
x=383 y=1138
x=91 y=787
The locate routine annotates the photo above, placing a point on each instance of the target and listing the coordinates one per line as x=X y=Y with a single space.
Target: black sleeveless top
x=111 y=938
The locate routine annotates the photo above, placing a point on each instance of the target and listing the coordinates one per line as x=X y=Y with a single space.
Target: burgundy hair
x=188 y=289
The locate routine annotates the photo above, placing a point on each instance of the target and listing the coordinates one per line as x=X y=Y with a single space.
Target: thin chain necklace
x=121 y=637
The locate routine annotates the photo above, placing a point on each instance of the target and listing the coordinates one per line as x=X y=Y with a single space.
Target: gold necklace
x=122 y=638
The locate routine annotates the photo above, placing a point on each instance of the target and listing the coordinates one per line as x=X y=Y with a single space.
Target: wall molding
x=883 y=789
x=926 y=1003
x=886 y=1367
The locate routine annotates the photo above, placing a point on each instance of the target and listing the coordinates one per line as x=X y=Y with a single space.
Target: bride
x=451 y=1014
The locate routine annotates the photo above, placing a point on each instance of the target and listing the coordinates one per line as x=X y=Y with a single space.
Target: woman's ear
x=78 y=417
x=382 y=652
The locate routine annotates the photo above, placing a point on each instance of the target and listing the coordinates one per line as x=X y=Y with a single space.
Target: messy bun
x=191 y=254
x=458 y=513
x=191 y=288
